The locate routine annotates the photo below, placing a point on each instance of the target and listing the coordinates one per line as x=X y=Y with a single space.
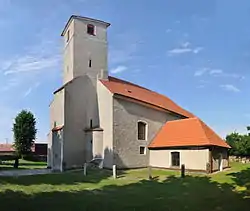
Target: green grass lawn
x=228 y=190
x=23 y=164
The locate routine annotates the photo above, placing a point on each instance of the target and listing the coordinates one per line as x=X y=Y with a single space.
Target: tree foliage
x=24 y=129
x=240 y=143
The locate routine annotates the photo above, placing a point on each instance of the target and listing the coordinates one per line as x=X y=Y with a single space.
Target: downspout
x=61 y=168
x=211 y=159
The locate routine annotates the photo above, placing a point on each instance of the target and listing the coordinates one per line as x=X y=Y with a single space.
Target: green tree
x=248 y=130
x=24 y=129
x=240 y=143
x=233 y=140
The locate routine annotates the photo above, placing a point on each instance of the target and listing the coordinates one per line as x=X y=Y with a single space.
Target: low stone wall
x=241 y=159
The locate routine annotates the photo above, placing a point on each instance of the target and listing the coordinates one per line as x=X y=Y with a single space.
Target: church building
x=94 y=115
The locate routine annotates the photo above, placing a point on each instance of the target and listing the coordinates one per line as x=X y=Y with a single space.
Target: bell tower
x=85 y=48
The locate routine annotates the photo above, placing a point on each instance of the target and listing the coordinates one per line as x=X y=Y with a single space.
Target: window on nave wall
x=141 y=128
x=175 y=157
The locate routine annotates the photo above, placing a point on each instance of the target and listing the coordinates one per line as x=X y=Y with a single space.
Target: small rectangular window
x=175 y=158
x=91 y=123
x=90 y=63
x=91 y=29
x=142 y=150
x=68 y=36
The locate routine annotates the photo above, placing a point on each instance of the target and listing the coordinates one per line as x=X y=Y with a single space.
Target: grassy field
x=228 y=190
x=23 y=164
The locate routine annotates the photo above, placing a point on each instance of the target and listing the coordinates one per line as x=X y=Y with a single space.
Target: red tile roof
x=127 y=89
x=186 y=132
x=57 y=128
x=10 y=148
x=6 y=148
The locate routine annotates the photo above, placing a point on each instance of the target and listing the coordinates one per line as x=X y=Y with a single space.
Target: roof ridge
x=183 y=133
x=198 y=121
x=207 y=129
x=210 y=130
x=203 y=129
x=128 y=82
x=180 y=120
x=151 y=92
x=143 y=94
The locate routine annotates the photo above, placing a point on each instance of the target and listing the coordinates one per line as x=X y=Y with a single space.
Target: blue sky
x=195 y=52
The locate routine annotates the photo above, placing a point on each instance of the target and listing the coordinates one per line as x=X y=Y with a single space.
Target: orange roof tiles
x=57 y=128
x=9 y=148
x=127 y=89
x=186 y=132
x=6 y=148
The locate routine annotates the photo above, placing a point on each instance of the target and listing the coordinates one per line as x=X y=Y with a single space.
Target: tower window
x=91 y=123
x=91 y=29
x=68 y=36
x=90 y=63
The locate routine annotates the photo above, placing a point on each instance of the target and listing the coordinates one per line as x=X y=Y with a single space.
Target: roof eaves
x=65 y=85
x=82 y=17
x=179 y=146
x=202 y=129
x=59 y=89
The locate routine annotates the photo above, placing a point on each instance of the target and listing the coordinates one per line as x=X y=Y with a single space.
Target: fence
x=241 y=159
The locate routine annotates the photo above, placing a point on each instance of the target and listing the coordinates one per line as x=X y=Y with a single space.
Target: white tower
x=85 y=48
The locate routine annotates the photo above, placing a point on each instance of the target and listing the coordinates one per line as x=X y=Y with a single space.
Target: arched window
x=141 y=128
x=175 y=157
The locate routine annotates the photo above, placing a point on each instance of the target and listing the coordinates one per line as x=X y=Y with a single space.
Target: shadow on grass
x=22 y=165
x=94 y=175
x=66 y=178
x=34 y=164
x=174 y=193
x=10 y=167
x=242 y=179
